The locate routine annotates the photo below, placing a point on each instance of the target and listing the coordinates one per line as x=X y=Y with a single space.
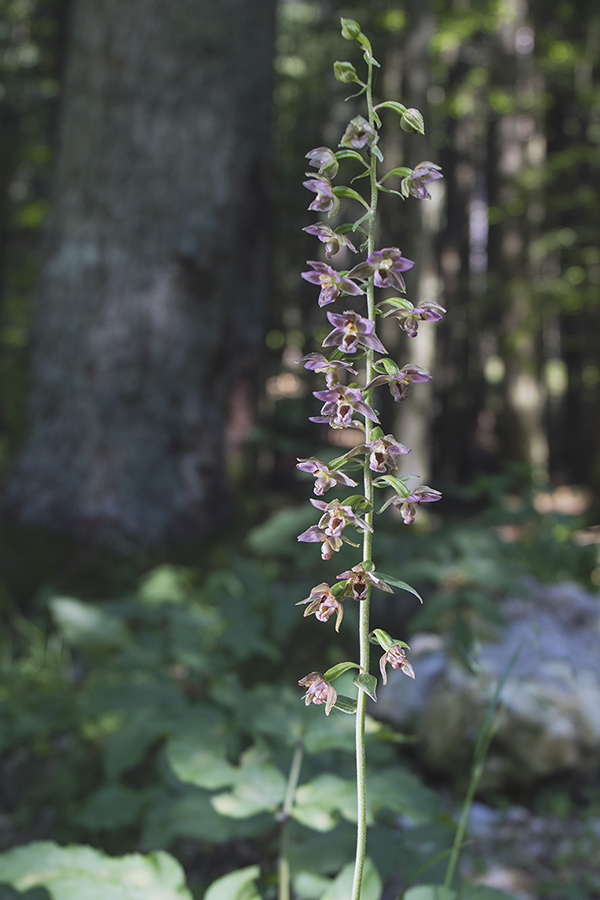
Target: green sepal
x=377 y=433
x=345 y=704
x=339 y=669
x=395 y=582
x=386 y=366
x=367 y=683
x=350 y=194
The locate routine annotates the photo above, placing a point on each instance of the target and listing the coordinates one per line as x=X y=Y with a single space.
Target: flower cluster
x=355 y=351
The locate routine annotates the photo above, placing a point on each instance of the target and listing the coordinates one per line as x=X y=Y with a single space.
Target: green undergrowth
x=161 y=725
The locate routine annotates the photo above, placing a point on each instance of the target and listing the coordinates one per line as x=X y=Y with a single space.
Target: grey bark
x=150 y=301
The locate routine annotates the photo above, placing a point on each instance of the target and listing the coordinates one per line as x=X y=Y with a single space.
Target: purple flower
x=324 y=477
x=399 y=383
x=324 y=160
x=332 y=283
x=396 y=658
x=382 y=450
x=358 y=580
x=414 y=184
x=325 y=201
x=386 y=265
x=340 y=404
x=408 y=505
x=323 y=603
x=408 y=319
x=351 y=330
x=358 y=134
x=319 y=363
x=319 y=691
x=336 y=516
x=332 y=240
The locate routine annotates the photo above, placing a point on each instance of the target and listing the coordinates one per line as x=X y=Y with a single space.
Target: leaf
x=483 y=892
x=429 y=892
x=351 y=194
x=401 y=171
x=339 y=669
x=198 y=756
x=381 y=637
x=352 y=154
x=355 y=226
x=320 y=803
x=395 y=582
x=87 y=626
x=368 y=683
x=391 y=104
x=238 y=885
x=341 y=887
x=259 y=787
x=81 y=873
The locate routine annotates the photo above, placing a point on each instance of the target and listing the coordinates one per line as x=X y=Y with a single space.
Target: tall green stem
x=283 y=880
x=361 y=831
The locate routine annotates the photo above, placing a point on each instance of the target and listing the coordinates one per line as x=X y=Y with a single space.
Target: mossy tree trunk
x=150 y=300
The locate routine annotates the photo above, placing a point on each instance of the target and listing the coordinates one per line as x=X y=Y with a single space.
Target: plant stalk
x=283 y=876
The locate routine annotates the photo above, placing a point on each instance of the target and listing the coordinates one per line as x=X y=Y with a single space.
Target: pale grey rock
x=550 y=648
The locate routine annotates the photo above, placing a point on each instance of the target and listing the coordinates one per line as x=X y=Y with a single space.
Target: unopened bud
x=350 y=29
x=412 y=120
x=345 y=72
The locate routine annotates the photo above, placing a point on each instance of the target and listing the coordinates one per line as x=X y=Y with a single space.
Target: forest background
x=508 y=429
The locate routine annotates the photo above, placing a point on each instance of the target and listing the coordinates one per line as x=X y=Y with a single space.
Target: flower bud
x=350 y=29
x=412 y=120
x=345 y=72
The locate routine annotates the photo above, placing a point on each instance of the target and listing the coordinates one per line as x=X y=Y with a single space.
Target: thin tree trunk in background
x=149 y=307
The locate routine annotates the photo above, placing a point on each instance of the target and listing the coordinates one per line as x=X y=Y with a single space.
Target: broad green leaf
x=88 y=626
x=395 y=582
x=341 y=887
x=429 y=892
x=339 y=669
x=81 y=873
x=397 y=789
x=368 y=683
x=199 y=757
x=259 y=787
x=320 y=803
x=310 y=886
x=111 y=807
x=238 y=885
x=483 y=892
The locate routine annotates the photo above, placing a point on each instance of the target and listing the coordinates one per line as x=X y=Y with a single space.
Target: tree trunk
x=149 y=307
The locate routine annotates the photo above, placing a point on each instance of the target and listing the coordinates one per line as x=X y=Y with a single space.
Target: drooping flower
x=332 y=240
x=401 y=380
x=319 y=691
x=396 y=658
x=325 y=201
x=359 y=134
x=382 y=450
x=358 y=580
x=414 y=184
x=319 y=363
x=408 y=319
x=386 y=266
x=323 y=603
x=339 y=405
x=408 y=505
x=336 y=516
x=324 y=476
x=331 y=282
x=351 y=330
x=324 y=160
